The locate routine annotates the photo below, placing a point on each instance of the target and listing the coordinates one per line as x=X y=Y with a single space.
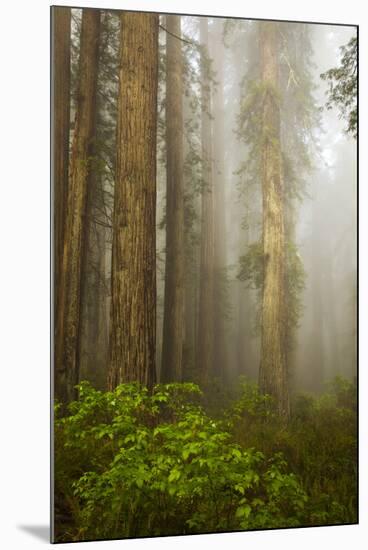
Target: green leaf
x=243 y=511
x=174 y=475
x=236 y=453
x=185 y=454
x=239 y=488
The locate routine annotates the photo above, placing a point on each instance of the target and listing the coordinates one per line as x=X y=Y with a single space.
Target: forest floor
x=130 y=463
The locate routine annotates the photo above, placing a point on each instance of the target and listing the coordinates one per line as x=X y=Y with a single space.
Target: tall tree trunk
x=290 y=327
x=317 y=369
x=330 y=310
x=192 y=202
x=247 y=362
x=94 y=348
x=75 y=226
x=173 y=327
x=61 y=19
x=190 y=271
x=219 y=182
x=94 y=321
x=205 y=344
x=273 y=369
x=133 y=276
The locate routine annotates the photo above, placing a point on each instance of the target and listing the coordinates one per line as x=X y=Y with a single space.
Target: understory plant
x=132 y=463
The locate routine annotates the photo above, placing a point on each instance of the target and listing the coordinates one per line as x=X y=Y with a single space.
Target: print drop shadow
x=41 y=532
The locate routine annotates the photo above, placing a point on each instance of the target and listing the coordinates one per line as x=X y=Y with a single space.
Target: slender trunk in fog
x=330 y=312
x=317 y=349
x=219 y=182
x=191 y=256
x=133 y=275
x=317 y=370
x=75 y=223
x=273 y=370
x=93 y=359
x=94 y=327
x=290 y=329
x=61 y=19
x=173 y=325
x=205 y=344
x=247 y=363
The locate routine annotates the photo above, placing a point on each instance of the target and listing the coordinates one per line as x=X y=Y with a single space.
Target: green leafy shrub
x=319 y=444
x=133 y=464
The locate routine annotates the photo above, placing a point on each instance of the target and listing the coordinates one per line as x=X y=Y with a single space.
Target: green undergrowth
x=129 y=463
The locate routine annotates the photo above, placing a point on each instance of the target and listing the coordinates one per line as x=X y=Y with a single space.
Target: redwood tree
x=219 y=182
x=133 y=275
x=61 y=20
x=69 y=305
x=205 y=345
x=173 y=328
x=273 y=377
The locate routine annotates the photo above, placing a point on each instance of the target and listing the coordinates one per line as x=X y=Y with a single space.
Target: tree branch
x=178 y=37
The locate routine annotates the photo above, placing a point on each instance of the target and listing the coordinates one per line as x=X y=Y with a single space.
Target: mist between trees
x=205 y=194
x=253 y=213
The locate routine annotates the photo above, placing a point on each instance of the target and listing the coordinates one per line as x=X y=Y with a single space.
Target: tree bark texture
x=173 y=326
x=273 y=368
x=94 y=318
x=133 y=276
x=94 y=344
x=205 y=344
x=61 y=20
x=75 y=225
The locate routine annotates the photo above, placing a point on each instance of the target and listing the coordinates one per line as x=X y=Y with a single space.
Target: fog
x=319 y=176
x=324 y=215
